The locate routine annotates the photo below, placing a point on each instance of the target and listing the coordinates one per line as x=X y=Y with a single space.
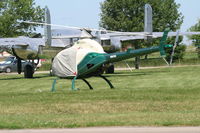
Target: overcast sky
x=85 y=13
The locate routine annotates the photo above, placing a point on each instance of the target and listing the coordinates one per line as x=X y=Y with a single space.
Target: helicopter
x=86 y=58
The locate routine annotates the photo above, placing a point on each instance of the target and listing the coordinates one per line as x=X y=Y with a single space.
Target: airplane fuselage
x=25 y=53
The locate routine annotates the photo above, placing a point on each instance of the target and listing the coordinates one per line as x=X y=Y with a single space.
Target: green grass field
x=151 y=97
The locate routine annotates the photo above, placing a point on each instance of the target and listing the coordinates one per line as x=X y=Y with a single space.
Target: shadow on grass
x=125 y=75
x=16 y=78
x=136 y=73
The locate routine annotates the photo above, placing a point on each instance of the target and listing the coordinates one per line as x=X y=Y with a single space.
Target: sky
x=86 y=13
x=78 y=13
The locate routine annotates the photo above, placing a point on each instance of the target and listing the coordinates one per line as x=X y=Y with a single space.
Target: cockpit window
x=10 y=59
x=7 y=62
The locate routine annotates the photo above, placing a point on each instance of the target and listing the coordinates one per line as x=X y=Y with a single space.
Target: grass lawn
x=152 y=97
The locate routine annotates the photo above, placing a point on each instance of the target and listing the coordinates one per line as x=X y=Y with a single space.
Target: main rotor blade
x=112 y=33
x=56 y=25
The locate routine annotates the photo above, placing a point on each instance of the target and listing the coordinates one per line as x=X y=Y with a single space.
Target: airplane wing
x=26 y=41
x=60 y=42
x=117 y=37
x=59 y=35
x=142 y=35
x=21 y=41
x=27 y=48
x=154 y=34
x=67 y=33
x=159 y=34
x=6 y=44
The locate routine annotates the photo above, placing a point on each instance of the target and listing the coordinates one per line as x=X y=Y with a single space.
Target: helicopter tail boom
x=119 y=56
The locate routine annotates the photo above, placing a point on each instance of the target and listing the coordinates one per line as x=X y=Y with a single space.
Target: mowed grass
x=151 y=97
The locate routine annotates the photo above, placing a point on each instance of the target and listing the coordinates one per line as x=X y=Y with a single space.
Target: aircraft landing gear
x=107 y=81
x=53 y=89
x=28 y=71
x=91 y=88
x=110 y=69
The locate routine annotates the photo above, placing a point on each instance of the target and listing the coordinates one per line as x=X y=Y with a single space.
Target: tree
x=128 y=16
x=14 y=11
x=196 y=38
x=178 y=53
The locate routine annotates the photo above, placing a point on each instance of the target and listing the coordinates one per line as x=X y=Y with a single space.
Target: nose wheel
x=28 y=71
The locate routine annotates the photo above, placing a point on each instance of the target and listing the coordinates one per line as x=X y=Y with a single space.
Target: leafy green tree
x=12 y=12
x=196 y=38
x=178 y=53
x=128 y=15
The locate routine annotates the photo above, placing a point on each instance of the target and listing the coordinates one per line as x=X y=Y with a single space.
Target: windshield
x=7 y=62
x=10 y=59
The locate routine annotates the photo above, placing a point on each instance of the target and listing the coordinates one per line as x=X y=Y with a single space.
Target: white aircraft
x=25 y=48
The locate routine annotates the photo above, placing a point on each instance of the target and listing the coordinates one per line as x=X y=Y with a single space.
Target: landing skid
x=73 y=85
x=108 y=81
x=91 y=88
x=73 y=88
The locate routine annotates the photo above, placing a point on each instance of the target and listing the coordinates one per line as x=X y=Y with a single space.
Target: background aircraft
x=31 y=48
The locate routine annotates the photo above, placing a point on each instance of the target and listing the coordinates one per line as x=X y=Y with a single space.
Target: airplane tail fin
x=47 y=27
x=163 y=44
x=148 y=25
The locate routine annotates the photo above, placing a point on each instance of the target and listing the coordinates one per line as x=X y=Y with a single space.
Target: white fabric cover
x=89 y=44
x=65 y=62
x=86 y=46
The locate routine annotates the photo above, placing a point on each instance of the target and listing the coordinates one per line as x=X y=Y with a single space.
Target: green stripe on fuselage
x=90 y=63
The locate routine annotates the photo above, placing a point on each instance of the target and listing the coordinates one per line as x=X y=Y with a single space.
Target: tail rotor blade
x=175 y=44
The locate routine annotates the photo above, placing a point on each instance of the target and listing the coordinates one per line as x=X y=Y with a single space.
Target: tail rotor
x=163 y=45
x=174 y=47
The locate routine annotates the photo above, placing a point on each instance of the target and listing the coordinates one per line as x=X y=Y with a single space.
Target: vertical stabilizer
x=163 y=43
x=47 y=27
x=148 y=26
